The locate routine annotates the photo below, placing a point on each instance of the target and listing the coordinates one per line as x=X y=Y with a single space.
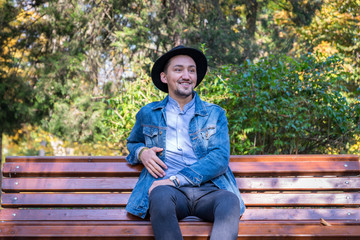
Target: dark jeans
x=169 y=204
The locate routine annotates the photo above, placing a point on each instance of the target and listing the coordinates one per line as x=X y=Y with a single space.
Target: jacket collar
x=199 y=105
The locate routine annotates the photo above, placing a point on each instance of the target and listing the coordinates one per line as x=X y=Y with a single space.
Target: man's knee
x=228 y=204
x=231 y=199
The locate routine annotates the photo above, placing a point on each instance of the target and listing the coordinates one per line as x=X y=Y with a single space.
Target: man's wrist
x=175 y=180
x=141 y=151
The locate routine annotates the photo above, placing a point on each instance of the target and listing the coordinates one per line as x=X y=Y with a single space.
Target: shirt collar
x=173 y=104
x=199 y=105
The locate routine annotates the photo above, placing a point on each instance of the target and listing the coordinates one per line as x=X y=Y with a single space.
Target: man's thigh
x=170 y=200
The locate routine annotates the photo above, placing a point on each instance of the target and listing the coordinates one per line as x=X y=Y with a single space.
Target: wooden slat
x=292 y=158
x=301 y=199
x=65 y=159
x=201 y=230
x=233 y=158
x=117 y=199
x=64 y=200
x=128 y=183
x=299 y=184
x=297 y=168
x=251 y=214
x=68 y=184
x=108 y=169
x=322 y=168
x=301 y=214
x=66 y=215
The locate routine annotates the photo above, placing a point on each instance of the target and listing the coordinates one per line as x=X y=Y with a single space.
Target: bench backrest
x=303 y=186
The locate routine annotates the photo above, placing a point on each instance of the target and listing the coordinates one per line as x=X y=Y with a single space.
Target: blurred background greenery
x=74 y=73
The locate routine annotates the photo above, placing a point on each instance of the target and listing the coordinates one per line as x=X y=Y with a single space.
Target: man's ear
x=163 y=77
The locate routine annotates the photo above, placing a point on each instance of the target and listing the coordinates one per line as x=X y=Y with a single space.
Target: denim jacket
x=210 y=140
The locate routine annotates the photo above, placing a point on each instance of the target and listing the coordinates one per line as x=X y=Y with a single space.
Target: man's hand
x=152 y=163
x=159 y=183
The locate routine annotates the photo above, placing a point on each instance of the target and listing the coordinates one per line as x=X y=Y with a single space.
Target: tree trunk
x=1 y=146
x=251 y=16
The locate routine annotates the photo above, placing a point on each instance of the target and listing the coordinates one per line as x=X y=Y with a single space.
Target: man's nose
x=186 y=75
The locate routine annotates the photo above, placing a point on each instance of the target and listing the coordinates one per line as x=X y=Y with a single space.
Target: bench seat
x=287 y=197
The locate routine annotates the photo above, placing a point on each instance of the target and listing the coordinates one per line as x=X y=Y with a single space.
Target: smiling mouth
x=186 y=84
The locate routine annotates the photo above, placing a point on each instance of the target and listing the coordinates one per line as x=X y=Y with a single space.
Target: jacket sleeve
x=215 y=161
x=135 y=140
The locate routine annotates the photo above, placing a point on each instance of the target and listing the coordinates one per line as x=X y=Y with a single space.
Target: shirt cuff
x=182 y=180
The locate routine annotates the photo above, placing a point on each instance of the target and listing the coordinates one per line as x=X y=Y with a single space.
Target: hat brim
x=196 y=55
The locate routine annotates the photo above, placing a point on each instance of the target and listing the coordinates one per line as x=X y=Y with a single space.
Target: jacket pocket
x=207 y=132
x=151 y=135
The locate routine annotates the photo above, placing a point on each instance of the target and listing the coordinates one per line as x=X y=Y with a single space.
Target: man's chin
x=184 y=93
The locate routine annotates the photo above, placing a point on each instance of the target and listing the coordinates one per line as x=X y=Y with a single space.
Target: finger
x=160 y=163
x=151 y=172
x=156 y=149
x=156 y=169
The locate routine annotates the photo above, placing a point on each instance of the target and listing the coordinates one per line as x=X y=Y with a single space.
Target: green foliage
x=63 y=62
x=120 y=116
x=18 y=103
x=282 y=105
x=335 y=29
x=30 y=140
x=279 y=105
x=72 y=68
x=80 y=121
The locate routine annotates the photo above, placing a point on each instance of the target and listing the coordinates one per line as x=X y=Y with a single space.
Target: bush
x=282 y=105
x=120 y=115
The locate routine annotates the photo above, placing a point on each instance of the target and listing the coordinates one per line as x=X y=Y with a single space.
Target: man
x=183 y=143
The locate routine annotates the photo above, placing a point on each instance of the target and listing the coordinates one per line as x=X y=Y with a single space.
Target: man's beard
x=184 y=93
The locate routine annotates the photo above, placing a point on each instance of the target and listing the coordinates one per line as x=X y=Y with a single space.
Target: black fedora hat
x=198 y=56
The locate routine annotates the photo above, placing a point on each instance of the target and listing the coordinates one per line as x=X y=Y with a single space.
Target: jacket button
x=160 y=132
x=160 y=154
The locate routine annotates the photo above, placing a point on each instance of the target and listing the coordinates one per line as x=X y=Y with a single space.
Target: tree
x=51 y=58
x=70 y=59
x=18 y=96
x=335 y=29
x=232 y=31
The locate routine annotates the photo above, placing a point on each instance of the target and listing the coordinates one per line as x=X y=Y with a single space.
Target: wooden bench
x=287 y=197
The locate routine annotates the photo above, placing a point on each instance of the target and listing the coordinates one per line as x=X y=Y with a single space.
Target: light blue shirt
x=179 y=151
